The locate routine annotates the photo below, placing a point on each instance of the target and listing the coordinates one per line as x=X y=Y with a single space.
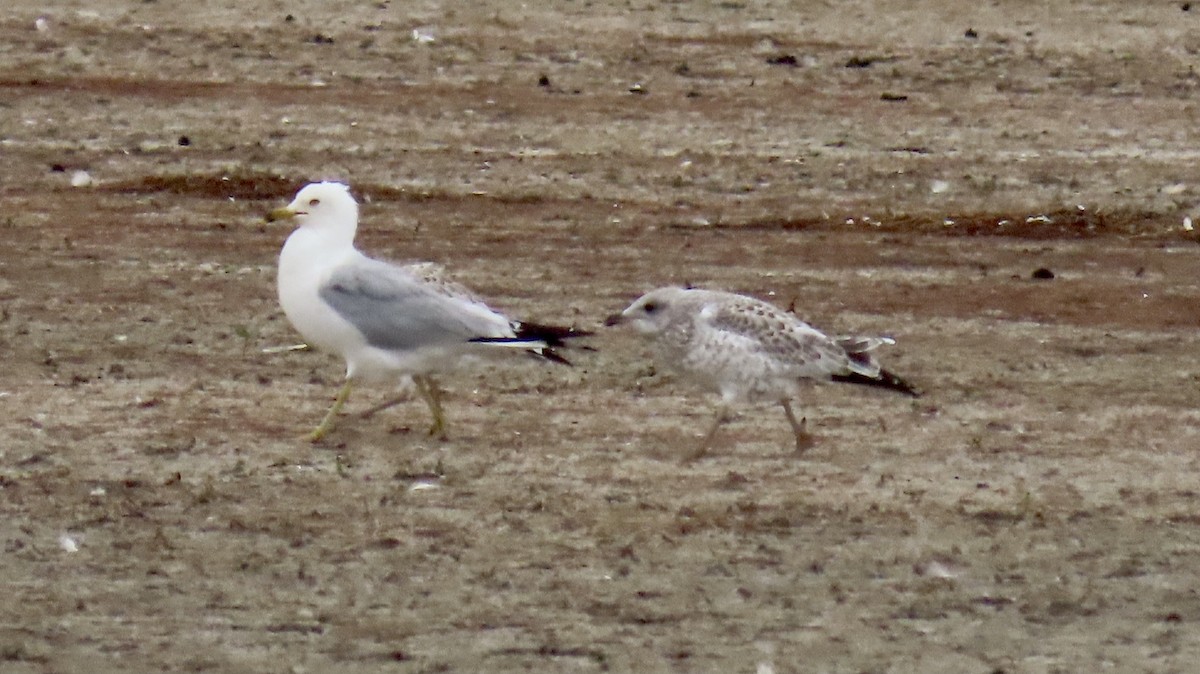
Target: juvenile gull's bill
x=388 y=321
x=748 y=350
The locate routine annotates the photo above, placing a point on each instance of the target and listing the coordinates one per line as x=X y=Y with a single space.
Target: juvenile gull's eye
x=650 y=307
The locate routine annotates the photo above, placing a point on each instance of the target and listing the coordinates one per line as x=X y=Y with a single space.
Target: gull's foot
x=804 y=442
x=700 y=451
x=327 y=422
x=437 y=431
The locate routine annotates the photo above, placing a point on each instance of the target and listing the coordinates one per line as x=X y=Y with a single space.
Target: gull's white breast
x=305 y=263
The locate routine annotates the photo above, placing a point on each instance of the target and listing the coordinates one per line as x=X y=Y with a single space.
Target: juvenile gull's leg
x=327 y=423
x=723 y=416
x=804 y=440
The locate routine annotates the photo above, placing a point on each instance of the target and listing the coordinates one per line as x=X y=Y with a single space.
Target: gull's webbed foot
x=804 y=439
x=432 y=395
x=326 y=424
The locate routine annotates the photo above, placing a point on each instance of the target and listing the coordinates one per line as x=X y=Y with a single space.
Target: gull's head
x=651 y=312
x=325 y=205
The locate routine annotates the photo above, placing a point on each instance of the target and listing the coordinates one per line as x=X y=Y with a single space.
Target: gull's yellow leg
x=432 y=395
x=385 y=405
x=804 y=440
x=403 y=397
x=327 y=423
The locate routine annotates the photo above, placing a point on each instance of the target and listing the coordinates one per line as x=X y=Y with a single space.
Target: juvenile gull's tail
x=865 y=371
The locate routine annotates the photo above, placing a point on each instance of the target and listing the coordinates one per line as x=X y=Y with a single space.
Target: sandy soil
x=890 y=167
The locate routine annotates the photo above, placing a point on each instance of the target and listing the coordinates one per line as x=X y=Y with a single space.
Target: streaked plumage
x=748 y=350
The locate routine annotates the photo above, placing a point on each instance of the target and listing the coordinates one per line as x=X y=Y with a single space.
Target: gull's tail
x=540 y=340
x=865 y=371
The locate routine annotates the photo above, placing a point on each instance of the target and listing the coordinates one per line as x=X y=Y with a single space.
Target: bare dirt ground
x=890 y=167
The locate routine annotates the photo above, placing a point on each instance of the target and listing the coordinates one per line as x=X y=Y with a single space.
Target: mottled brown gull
x=748 y=350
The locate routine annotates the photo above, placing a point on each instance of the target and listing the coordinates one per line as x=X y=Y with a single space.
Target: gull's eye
x=650 y=307
x=314 y=202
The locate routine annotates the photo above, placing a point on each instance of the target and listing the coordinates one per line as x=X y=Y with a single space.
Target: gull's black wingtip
x=542 y=339
x=552 y=335
x=885 y=380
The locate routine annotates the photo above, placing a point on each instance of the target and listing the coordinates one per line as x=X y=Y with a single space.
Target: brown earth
x=888 y=167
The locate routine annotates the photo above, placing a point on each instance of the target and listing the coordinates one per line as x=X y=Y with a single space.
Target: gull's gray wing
x=436 y=277
x=398 y=311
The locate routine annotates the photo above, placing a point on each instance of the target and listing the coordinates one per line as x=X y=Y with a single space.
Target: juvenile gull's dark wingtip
x=551 y=355
x=552 y=335
x=885 y=380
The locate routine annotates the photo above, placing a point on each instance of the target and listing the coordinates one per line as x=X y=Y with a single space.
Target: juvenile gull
x=390 y=322
x=748 y=350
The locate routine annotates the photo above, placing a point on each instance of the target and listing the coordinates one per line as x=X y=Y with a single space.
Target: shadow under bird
x=748 y=350
x=390 y=322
